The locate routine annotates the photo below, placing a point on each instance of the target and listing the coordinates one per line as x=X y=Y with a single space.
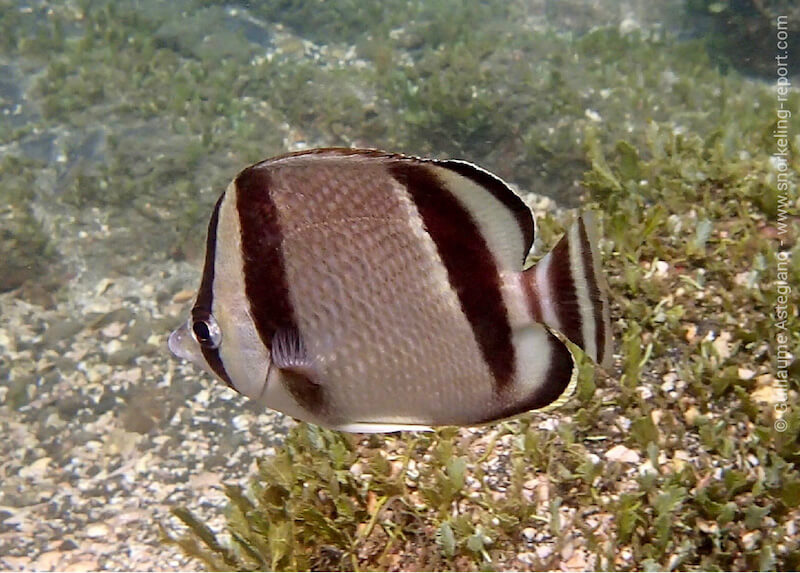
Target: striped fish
x=368 y=291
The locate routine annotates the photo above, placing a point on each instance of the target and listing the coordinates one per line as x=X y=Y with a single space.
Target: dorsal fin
x=505 y=220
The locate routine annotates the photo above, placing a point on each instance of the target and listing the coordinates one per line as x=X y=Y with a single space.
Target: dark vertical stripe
x=470 y=266
x=265 y=281
x=554 y=384
x=502 y=192
x=595 y=297
x=205 y=296
x=562 y=290
x=528 y=279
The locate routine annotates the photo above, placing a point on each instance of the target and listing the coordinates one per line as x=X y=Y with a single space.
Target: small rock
x=647 y=468
x=768 y=394
x=722 y=345
x=205 y=480
x=113 y=346
x=68 y=545
x=183 y=296
x=628 y=25
x=36 y=470
x=61 y=330
x=622 y=454
x=241 y=422
x=746 y=374
x=527 y=557
x=592 y=115
x=113 y=330
x=669 y=382
x=750 y=539
x=96 y=530
x=577 y=562
x=549 y=425
x=543 y=492
x=691 y=415
x=529 y=533
x=48 y=560
x=83 y=565
x=680 y=460
x=103 y=286
x=126 y=355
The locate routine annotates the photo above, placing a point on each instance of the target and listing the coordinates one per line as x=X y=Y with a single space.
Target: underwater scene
x=675 y=123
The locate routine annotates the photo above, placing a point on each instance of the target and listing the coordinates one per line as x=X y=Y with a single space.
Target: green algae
x=25 y=247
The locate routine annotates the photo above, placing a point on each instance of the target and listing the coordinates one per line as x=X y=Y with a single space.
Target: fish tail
x=566 y=291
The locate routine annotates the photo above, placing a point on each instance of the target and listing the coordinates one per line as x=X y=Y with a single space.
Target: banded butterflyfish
x=367 y=291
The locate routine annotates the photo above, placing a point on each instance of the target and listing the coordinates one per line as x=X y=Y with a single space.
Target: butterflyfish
x=367 y=291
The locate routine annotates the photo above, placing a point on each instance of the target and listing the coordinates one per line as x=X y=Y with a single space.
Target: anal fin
x=376 y=427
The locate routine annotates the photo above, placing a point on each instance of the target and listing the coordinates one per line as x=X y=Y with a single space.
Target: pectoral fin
x=300 y=376
x=289 y=353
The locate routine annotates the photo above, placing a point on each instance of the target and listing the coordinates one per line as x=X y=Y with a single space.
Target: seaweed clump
x=26 y=252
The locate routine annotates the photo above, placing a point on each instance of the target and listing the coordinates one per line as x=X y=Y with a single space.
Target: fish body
x=368 y=291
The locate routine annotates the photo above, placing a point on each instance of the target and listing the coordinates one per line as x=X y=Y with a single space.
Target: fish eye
x=206 y=331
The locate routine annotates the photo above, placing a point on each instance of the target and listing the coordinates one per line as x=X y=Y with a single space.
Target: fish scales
x=368 y=291
x=354 y=241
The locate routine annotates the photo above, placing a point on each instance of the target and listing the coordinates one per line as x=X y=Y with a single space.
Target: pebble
x=126 y=356
x=577 y=562
x=61 y=330
x=113 y=347
x=103 y=286
x=527 y=557
x=241 y=422
x=83 y=565
x=36 y=470
x=669 y=382
x=48 y=560
x=750 y=540
x=691 y=415
x=97 y=530
x=722 y=345
x=357 y=469
x=746 y=373
x=113 y=330
x=767 y=394
x=549 y=425
x=620 y=453
x=529 y=533
x=183 y=296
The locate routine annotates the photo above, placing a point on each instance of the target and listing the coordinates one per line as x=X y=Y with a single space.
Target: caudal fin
x=567 y=291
